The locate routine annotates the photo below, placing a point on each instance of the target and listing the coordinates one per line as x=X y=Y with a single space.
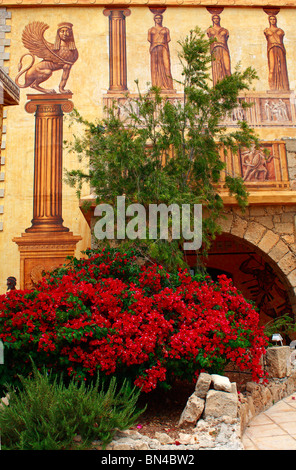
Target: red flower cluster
x=106 y=314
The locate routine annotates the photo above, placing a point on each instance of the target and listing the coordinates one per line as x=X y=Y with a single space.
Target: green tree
x=169 y=152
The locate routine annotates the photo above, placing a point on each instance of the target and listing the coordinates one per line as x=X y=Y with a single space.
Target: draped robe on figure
x=160 y=57
x=276 y=54
x=220 y=53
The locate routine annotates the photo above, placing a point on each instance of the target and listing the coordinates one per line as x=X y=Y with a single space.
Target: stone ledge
x=262 y=197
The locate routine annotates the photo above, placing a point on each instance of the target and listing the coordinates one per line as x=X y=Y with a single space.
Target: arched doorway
x=255 y=275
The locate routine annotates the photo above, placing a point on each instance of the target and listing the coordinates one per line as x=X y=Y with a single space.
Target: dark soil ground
x=163 y=411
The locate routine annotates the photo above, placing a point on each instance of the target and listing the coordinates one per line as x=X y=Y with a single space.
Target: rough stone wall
x=258 y=397
x=279 y=362
x=5 y=28
x=291 y=160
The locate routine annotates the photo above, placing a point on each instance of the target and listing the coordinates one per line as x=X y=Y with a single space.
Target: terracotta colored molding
x=155 y=3
x=263 y=198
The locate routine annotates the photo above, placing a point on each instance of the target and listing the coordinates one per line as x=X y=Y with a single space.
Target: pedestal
x=46 y=244
x=41 y=253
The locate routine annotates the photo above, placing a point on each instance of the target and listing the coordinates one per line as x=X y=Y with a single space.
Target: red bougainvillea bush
x=107 y=314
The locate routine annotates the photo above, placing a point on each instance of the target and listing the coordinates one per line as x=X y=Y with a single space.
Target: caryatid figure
x=276 y=55
x=221 y=67
x=159 y=38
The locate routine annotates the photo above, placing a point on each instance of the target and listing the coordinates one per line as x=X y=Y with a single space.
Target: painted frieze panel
x=256 y=166
x=263 y=168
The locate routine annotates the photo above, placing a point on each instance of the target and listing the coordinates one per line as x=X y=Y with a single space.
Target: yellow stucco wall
x=89 y=81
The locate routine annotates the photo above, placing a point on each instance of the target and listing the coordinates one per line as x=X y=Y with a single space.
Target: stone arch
x=264 y=283
x=267 y=236
x=270 y=230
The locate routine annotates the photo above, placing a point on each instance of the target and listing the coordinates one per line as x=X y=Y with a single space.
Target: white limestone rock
x=163 y=438
x=222 y=383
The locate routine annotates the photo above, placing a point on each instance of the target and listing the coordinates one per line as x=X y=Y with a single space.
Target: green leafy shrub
x=44 y=414
x=284 y=324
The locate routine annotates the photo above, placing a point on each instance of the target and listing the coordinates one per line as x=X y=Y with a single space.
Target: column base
x=41 y=253
x=46 y=228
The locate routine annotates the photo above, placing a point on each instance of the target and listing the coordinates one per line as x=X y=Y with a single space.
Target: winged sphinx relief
x=58 y=56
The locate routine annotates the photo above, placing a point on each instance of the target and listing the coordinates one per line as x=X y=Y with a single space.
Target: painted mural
x=221 y=56
x=117 y=46
x=58 y=56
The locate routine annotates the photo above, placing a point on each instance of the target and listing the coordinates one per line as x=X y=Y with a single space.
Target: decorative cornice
x=11 y=92
x=154 y=3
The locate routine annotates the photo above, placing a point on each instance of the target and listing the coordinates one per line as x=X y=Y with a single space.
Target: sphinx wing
x=33 y=39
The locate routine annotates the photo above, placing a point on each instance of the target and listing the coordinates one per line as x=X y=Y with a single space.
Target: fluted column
x=48 y=161
x=117 y=49
x=47 y=243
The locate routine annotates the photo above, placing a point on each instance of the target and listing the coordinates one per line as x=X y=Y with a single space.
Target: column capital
x=117 y=11
x=53 y=103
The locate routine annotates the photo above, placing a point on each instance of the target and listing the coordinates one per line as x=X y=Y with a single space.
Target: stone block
x=254 y=232
x=287 y=263
x=268 y=241
x=289 y=239
x=288 y=217
x=278 y=364
x=192 y=411
x=292 y=278
x=225 y=222
x=278 y=251
x=221 y=382
x=266 y=220
x=220 y=404
x=5 y=28
x=203 y=384
x=284 y=228
x=291 y=145
x=241 y=212
x=274 y=210
x=239 y=227
x=257 y=211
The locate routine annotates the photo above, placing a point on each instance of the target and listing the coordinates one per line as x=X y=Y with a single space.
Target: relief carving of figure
x=159 y=38
x=221 y=67
x=255 y=162
x=58 y=56
x=276 y=110
x=276 y=54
